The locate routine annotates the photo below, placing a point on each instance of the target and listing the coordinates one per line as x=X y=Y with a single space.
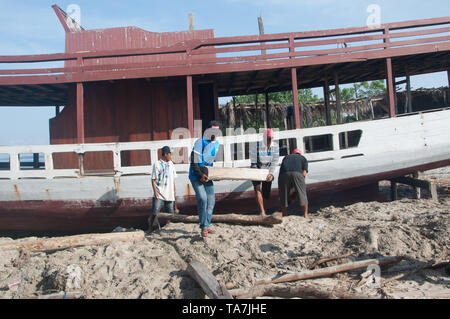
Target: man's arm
x=154 y=188
x=196 y=168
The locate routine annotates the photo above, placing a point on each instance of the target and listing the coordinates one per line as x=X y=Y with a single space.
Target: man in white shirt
x=163 y=183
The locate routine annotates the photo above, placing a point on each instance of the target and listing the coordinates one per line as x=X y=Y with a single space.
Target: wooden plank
x=59 y=243
x=330 y=270
x=238 y=219
x=237 y=174
x=201 y=274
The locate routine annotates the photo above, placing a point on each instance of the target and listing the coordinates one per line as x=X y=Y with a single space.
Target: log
x=201 y=274
x=269 y=220
x=330 y=270
x=60 y=243
x=298 y=291
x=237 y=174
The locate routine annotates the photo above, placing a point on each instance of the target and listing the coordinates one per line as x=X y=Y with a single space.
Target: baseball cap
x=269 y=133
x=166 y=150
x=297 y=151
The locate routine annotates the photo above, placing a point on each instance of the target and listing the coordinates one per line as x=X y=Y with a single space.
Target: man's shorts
x=264 y=187
x=289 y=180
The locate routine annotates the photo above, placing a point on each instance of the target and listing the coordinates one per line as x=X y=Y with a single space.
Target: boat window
x=318 y=143
x=132 y=158
x=349 y=139
x=287 y=146
x=4 y=162
x=31 y=161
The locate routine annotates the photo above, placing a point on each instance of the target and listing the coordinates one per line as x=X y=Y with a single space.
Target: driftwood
x=59 y=243
x=237 y=174
x=298 y=291
x=327 y=259
x=276 y=218
x=331 y=270
x=62 y=295
x=201 y=274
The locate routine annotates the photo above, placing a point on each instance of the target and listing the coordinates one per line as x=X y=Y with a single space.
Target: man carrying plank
x=264 y=155
x=203 y=156
x=292 y=174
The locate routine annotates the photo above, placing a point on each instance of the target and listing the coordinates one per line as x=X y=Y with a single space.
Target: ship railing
x=226 y=157
x=232 y=54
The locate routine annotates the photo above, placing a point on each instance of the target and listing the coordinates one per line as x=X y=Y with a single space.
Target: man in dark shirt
x=293 y=172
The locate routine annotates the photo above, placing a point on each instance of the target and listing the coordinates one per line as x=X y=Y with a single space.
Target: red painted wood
x=390 y=87
x=80 y=113
x=190 y=105
x=297 y=114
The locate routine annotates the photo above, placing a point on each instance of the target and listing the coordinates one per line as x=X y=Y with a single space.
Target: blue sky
x=31 y=27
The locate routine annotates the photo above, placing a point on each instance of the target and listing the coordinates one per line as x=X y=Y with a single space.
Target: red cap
x=269 y=133
x=297 y=151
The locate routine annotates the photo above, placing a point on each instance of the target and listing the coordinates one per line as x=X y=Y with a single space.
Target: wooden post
x=408 y=93
x=268 y=119
x=191 y=21
x=242 y=129
x=448 y=77
x=80 y=113
x=326 y=97
x=57 y=110
x=35 y=160
x=297 y=114
x=261 y=30
x=338 y=98
x=394 y=191
x=190 y=105
x=390 y=87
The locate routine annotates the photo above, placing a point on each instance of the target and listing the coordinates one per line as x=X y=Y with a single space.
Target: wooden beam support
x=338 y=98
x=390 y=87
x=430 y=186
x=326 y=98
x=408 y=106
x=201 y=274
x=190 y=105
x=80 y=113
x=448 y=77
x=268 y=121
x=297 y=115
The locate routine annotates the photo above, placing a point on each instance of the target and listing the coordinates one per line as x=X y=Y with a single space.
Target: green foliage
x=304 y=96
x=363 y=90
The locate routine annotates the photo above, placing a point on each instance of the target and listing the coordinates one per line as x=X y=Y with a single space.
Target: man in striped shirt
x=264 y=155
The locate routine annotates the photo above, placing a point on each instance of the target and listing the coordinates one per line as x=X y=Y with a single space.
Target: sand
x=240 y=255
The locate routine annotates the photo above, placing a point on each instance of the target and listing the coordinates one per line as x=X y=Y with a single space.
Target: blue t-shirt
x=205 y=153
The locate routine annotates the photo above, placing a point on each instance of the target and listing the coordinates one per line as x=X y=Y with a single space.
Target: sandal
x=204 y=233
x=210 y=231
